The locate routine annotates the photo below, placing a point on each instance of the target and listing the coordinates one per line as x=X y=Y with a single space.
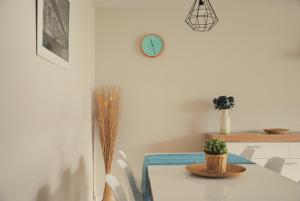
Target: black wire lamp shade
x=201 y=16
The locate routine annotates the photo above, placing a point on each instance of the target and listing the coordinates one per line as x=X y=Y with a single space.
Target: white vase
x=225 y=122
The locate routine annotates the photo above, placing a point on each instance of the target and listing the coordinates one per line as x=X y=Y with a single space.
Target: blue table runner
x=178 y=159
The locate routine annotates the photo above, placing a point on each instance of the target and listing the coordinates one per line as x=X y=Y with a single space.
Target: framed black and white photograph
x=53 y=18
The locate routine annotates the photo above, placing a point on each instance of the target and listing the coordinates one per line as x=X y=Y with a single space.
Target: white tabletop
x=174 y=183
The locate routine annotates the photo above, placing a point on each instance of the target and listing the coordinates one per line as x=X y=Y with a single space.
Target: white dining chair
x=275 y=164
x=136 y=193
x=248 y=154
x=116 y=188
x=124 y=156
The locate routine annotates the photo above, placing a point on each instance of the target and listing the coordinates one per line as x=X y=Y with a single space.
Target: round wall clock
x=152 y=45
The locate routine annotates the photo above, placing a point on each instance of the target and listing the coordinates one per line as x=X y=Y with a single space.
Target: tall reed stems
x=107 y=114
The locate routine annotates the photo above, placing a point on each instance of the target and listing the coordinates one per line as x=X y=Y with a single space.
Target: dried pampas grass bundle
x=108 y=111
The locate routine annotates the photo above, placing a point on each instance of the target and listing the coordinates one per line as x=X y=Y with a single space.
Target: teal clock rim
x=162 y=40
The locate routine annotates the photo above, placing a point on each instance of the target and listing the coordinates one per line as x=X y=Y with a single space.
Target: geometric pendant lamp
x=201 y=16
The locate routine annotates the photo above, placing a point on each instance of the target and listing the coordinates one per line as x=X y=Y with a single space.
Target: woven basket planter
x=216 y=164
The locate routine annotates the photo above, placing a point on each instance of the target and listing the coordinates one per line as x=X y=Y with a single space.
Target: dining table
x=175 y=183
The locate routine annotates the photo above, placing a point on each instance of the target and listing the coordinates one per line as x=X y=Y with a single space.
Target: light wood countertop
x=256 y=137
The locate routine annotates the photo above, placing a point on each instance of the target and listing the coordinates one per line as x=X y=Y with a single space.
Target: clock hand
x=153 y=47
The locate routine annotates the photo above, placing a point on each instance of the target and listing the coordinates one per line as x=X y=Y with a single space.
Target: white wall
x=253 y=53
x=45 y=111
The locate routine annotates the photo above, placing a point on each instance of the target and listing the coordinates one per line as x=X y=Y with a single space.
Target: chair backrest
x=123 y=155
x=248 y=154
x=136 y=194
x=116 y=188
x=276 y=164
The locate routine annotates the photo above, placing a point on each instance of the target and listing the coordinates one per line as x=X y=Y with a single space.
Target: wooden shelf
x=256 y=137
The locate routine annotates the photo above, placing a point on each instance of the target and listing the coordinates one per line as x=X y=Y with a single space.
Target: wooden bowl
x=200 y=170
x=276 y=130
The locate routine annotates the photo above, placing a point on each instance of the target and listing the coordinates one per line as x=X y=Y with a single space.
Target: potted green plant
x=224 y=103
x=215 y=155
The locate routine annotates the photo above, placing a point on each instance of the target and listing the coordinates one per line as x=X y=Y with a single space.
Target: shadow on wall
x=189 y=143
x=73 y=187
x=195 y=114
x=197 y=110
x=294 y=53
x=193 y=140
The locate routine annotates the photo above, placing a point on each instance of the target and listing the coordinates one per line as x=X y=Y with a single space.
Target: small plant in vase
x=215 y=155
x=224 y=103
